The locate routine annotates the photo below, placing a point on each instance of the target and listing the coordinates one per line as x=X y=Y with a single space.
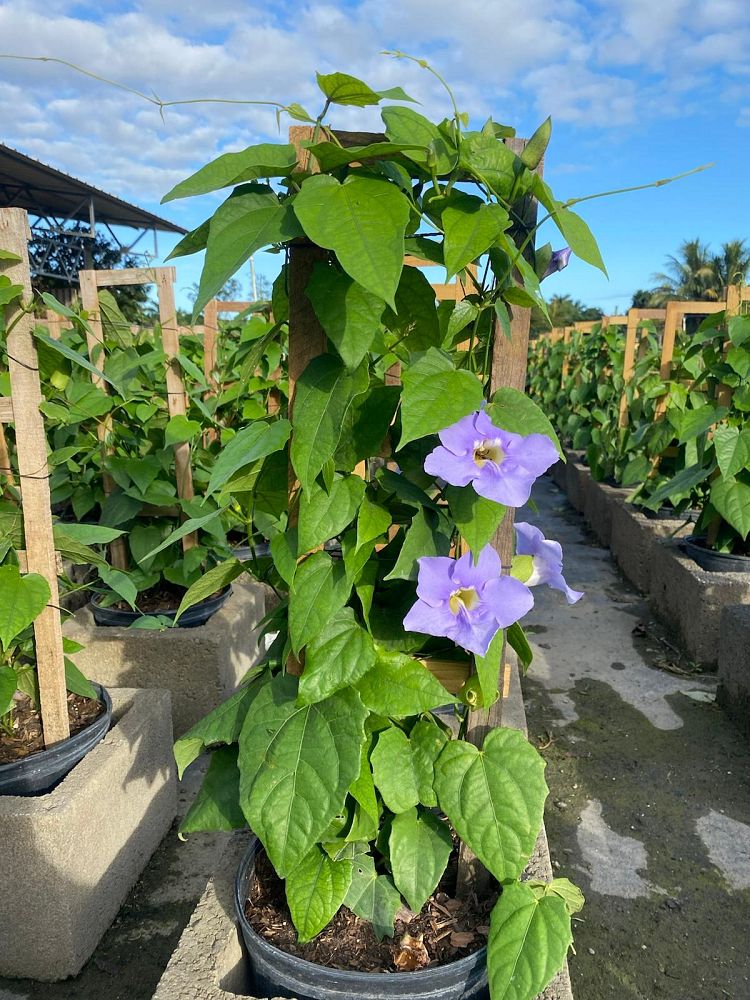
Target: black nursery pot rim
x=304 y=967
x=40 y=772
x=198 y=614
x=695 y=547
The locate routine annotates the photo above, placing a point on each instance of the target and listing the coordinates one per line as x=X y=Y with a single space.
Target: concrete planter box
x=733 y=693
x=198 y=666
x=559 y=473
x=599 y=502
x=74 y=854
x=693 y=600
x=634 y=541
x=210 y=963
x=577 y=481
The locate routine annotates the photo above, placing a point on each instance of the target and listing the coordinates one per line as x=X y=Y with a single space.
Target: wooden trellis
x=674 y=318
x=22 y=409
x=636 y=317
x=163 y=278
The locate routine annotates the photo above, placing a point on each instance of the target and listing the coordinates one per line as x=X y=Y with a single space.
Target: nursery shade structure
x=66 y=213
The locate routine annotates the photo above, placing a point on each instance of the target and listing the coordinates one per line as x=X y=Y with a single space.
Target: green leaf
x=296 y=766
x=70 y=354
x=315 y=890
x=373 y=897
x=284 y=554
x=419 y=847
x=471 y=227
x=399 y=686
x=464 y=312
x=194 y=242
x=403 y=125
x=222 y=725
x=731 y=498
x=679 y=486
x=349 y=314
x=494 y=797
x=9 y=292
x=514 y=411
x=324 y=393
x=565 y=889
x=22 y=599
x=517 y=640
x=435 y=395
x=427 y=741
x=476 y=517
x=217 y=804
x=732 y=449
x=340 y=88
x=372 y=521
x=13 y=258
x=331 y=156
x=8 y=678
x=86 y=534
x=535 y=148
x=324 y=515
x=693 y=423
x=252 y=217
x=488 y=669
x=120 y=582
x=254 y=442
x=393 y=770
x=263 y=160
x=528 y=942
x=320 y=589
x=368 y=423
x=186 y=528
x=337 y=658
x=76 y=682
x=180 y=429
x=363 y=221
x=217 y=578
x=429 y=534
x=415 y=321
x=578 y=236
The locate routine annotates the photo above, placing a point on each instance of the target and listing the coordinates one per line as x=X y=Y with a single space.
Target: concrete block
x=198 y=666
x=692 y=599
x=599 y=502
x=70 y=857
x=733 y=693
x=634 y=538
x=559 y=475
x=577 y=481
x=210 y=962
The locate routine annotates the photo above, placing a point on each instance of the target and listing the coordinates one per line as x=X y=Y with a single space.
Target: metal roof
x=43 y=190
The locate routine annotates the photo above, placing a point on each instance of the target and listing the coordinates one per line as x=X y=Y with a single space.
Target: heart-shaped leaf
x=315 y=890
x=22 y=599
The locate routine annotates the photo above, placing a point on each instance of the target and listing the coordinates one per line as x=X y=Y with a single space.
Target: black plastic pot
x=714 y=562
x=41 y=772
x=277 y=974
x=192 y=618
x=669 y=514
x=261 y=550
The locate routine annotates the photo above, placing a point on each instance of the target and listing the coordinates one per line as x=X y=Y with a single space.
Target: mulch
x=27 y=738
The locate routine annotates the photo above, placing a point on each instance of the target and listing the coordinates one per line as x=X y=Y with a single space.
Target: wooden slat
x=210 y=335
x=452 y=674
x=675 y=312
x=6 y=410
x=23 y=562
x=31 y=453
x=133 y=276
x=170 y=338
x=231 y=307
x=635 y=318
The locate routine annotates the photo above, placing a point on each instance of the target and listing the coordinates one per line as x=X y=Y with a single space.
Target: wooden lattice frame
x=636 y=317
x=163 y=278
x=22 y=409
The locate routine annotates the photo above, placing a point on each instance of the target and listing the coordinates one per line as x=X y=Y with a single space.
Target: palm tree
x=690 y=274
x=563 y=311
x=731 y=267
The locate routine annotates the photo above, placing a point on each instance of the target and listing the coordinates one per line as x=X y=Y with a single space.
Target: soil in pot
x=163 y=600
x=30 y=768
x=446 y=930
x=27 y=737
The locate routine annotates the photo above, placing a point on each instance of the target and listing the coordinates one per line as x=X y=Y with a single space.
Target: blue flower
x=547 y=560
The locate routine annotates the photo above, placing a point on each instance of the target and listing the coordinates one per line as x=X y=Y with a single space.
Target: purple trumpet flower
x=558 y=261
x=500 y=465
x=466 y=601
x=547 y=560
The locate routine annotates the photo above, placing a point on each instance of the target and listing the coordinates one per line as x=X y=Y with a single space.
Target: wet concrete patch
x=613 y=861
x=728 y=844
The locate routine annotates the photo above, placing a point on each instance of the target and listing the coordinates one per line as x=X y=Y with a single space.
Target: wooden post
x=163 y=278
x=31 y=449
x=210 y=335
x=674 y=315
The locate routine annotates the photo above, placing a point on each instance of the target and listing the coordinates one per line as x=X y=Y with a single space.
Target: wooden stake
x=31 y=450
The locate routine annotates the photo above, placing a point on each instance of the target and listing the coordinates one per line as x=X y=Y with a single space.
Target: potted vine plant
x=26 y=767
x=333 y=751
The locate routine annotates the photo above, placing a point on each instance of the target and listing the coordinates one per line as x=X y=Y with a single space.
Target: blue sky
x=637 y=89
